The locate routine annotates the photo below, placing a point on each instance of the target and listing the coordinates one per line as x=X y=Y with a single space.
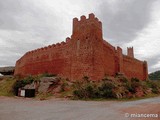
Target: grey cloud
x=26 y=16
x=8 y=60
x=124 y=19
x=27 y=25
x=9 y=10
x=153 y=61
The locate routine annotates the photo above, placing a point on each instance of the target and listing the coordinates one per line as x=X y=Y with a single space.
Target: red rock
x=139 y=92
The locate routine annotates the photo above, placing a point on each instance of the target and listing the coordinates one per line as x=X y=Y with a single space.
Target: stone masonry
x=86 y=53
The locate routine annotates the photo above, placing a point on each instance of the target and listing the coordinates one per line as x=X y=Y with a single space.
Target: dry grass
x=6 y=86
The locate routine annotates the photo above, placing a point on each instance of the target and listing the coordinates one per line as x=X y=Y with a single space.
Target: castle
x=86 y=53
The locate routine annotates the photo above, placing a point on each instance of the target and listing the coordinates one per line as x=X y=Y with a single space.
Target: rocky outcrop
x=47 y=82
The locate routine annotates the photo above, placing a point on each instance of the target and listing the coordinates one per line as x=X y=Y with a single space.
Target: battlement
x=57 y=45
x=130 y=52
x=128 y=58
x=119 y=50
x=84 y=22
x=109 y=45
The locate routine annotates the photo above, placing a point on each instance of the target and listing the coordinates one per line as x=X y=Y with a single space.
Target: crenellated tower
x=87 y=47
x=84 y=24
x=130 y=52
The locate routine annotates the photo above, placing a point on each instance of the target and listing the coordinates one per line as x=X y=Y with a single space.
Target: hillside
x=154 y=75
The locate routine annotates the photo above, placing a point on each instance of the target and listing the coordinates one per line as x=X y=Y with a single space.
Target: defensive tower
x=87 y=45
x=130 y=52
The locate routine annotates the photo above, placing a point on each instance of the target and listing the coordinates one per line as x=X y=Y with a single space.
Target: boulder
x=47 y=82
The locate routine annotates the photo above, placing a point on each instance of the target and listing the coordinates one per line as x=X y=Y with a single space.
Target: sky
x=29 y=24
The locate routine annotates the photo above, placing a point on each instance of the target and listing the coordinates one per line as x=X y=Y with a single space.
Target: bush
x=135 y=85
x=88 y=89
x=48 y=75
x=86 y=78
x=64 y=85
x=119 y=87
x=106 y=89
x=155 y=85
x=78 y=94
x=135 y=80
x=85 y=89
x=21 y=83
x=44 y=96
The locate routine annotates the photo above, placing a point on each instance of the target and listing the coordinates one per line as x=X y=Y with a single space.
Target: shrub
x=85 y=89
x=106 y=79
x=123 y=80
x=106 y=89
x=21 y=83
x=135 y=80
x=64 y=85
x=86 y=79
x=155 y=85
x=48 y=75
x=44 y=96
x=88 y=89
x=78 y=94
x=119 y=87
x=134 y=85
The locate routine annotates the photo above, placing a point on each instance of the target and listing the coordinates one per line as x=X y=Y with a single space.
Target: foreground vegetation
x=154 y=75
x=9 y=86
x=6 y=86
x=117 y=87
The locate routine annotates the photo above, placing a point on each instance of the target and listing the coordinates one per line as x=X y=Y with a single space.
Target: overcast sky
x=30 y=24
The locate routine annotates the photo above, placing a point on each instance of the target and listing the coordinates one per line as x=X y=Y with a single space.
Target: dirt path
x=56 y=109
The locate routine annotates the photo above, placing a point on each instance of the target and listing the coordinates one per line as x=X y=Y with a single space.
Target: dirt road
x=56 y=109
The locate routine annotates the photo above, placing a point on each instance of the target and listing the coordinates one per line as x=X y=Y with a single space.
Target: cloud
x=153 y=63
x=123 y=19
x=147 y=40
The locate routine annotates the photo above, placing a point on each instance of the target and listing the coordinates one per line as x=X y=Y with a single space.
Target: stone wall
x=52 y=59
x=134 y=68
x=84 y=54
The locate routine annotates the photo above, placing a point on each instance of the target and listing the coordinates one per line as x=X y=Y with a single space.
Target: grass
x=66 y=94
x=121 y=99
x=44 y=96
x=114 y=99
x=6 y=87
x=139 y=98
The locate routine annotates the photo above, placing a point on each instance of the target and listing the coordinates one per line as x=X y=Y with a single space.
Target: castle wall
x=52 y=59
x=109 y=59
x=84 y=54
x=133 y=68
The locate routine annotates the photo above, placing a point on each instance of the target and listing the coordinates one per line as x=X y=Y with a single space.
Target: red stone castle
x=86 y=53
